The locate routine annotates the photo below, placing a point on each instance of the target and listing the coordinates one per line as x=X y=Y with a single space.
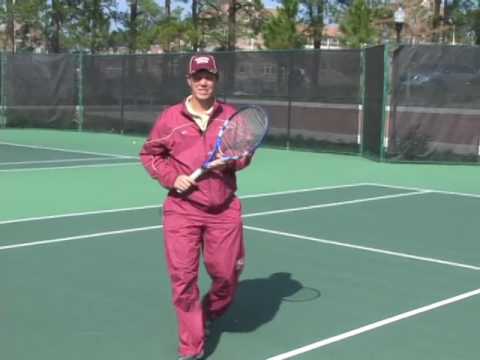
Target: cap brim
x=214 y=72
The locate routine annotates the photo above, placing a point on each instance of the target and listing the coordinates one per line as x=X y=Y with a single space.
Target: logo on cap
x=202 y=62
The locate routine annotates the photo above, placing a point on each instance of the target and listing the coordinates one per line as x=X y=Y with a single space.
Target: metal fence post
x=122 y=93
x=361 y=106
x=80 y=109
x=385 y=103
x=289 y=99
x=3 y=92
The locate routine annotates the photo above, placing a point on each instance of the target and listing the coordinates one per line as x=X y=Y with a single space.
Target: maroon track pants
x=188 y=231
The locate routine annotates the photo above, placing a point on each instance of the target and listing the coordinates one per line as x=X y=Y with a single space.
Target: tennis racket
x=241 y=134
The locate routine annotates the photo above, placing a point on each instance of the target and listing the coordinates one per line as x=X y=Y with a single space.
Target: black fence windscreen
x=40 y=91
x=373 y=100
x=262 y=78
x=312 y=96
x=324 y=88
x=435 y=104
x=126 y=93
x=3 y=100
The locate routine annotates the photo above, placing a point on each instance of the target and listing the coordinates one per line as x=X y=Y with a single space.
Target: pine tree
x=280 y=31
x=356 y=26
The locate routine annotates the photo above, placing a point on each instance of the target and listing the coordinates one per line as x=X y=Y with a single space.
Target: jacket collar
x=217 y=109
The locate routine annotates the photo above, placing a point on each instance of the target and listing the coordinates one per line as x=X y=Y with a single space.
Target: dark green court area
x=94 y=285
x=15 y=156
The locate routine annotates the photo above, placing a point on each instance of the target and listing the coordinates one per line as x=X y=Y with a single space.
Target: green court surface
x=346 y=258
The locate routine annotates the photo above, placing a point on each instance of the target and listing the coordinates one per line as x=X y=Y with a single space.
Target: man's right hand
x=183 y=183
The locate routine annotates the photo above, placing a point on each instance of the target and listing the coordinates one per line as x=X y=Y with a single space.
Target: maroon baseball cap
x=202 y=62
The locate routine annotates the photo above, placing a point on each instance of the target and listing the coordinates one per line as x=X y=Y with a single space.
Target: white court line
x=79 y=237
x=375 y=325
x=159 y=205
x=153 y=206
x=296 y=191
x=421 y=189
x=315 y=345
x=67 y=150
x=347 y=202
x=364 y=248
x=78 y=214
x=324 y=241
x=53 y=161
x=68 y=167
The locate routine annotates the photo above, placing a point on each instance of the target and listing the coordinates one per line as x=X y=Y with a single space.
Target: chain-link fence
x=411 y=103
x=435 y=104
x=39 y=91
x=312 y=96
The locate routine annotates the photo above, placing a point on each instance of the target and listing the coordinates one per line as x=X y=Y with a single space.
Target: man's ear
x=189 y=81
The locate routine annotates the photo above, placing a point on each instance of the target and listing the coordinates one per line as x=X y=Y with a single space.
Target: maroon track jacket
x=177 y=146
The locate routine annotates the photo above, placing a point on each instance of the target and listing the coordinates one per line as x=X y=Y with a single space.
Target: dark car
x=440 y=85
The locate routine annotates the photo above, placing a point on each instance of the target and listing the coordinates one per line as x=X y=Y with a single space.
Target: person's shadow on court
x=256 y=302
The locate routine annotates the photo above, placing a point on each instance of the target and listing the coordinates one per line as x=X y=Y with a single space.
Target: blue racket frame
x=218 y=143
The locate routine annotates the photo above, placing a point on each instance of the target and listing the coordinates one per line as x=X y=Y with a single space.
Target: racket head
x=242 y=133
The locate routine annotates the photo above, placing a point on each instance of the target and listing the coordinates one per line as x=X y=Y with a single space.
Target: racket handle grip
x=196 y=174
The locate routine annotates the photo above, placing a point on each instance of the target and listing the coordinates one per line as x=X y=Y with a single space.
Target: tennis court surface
x=346 y=258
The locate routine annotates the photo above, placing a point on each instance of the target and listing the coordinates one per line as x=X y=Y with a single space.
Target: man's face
x=203 y=84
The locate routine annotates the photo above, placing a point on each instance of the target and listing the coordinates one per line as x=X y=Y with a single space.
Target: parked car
x=440 y=84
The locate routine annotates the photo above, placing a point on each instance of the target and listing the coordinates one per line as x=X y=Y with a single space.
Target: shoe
x=191 y=357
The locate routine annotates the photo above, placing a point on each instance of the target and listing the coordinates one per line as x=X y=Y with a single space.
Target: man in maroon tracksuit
x=201 y=216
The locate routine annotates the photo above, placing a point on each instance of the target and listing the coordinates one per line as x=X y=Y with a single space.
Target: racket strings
x=244 y=132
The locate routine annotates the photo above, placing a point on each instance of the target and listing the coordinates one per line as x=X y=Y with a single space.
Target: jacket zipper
x=204 y=134
x=207 y=155
x=205 y=150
